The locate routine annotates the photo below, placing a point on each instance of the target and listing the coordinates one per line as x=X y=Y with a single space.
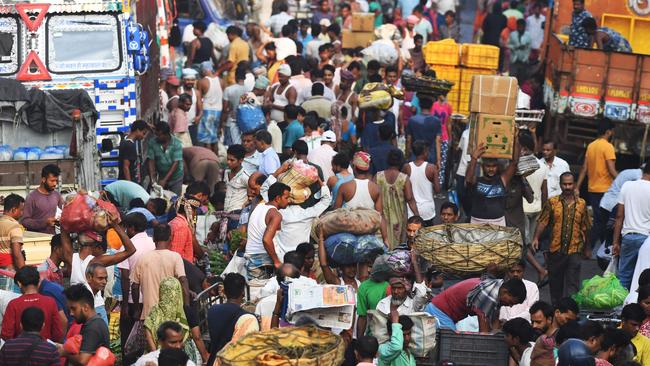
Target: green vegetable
x=218 y=261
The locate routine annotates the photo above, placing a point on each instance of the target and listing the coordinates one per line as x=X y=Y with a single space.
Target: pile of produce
x=304 y=346
x=426 y=85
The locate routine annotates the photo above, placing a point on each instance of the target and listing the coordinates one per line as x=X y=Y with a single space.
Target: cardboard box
x=493 y=94
x=363 y=22
x=357 y=39
x=496 y=131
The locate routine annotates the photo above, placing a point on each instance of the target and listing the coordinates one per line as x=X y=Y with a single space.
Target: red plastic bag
x=73 y=344
x=77 y=216
x=102 y=357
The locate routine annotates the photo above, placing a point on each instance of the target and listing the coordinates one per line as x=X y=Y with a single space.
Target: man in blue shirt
x=578 y=36
x=269 y=160
x=424 y=126
x=379 y=152
x=372 y=120
x=294 y=130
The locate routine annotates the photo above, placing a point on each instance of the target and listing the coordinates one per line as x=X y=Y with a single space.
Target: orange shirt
x=598 y=152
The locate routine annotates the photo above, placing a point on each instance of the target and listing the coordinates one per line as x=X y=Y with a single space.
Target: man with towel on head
x=189 y=77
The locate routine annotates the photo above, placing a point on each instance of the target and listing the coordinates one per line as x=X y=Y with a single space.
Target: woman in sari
x=170 y=308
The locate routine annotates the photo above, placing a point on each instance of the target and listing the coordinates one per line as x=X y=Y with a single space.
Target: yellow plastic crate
x=446 y=52
x=449 y=73
x=466 y=75
x=480 y=56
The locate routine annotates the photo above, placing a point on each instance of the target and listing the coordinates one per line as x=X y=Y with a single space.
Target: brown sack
x=358 y=221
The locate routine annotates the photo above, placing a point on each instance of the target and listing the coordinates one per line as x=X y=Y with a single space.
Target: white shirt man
x=556 y=167
x=521 y=310
x=277 y=21
x=410 y=305
x=323 y=154
x=296 y=221
x=535 y=28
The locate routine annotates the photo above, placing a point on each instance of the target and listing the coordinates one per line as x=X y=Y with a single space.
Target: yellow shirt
x=239 y=51
x=598 y=152
x=642 y=345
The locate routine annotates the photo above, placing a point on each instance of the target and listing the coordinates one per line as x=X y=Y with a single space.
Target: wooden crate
x=36 y=247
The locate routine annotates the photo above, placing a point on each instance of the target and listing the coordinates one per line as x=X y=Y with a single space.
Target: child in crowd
x=365 y=350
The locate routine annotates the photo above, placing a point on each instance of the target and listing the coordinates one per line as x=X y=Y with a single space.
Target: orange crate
x=480 y=56
x=445 y=52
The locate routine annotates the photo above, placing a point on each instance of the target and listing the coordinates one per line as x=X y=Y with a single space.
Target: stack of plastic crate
x=458 y=63
x=476 y=59
x=444 y=58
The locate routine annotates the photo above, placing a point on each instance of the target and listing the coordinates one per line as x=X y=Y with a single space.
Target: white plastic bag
x=159 y=192
x=612 y=267
x=383 y=51
x=423 y=333
x=236 y=265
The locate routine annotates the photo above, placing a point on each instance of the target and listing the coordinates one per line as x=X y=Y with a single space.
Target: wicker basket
x=299 y=184
x=467 y=249
x=323 y=348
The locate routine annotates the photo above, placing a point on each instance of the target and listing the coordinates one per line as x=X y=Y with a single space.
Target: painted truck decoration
x=92 y=45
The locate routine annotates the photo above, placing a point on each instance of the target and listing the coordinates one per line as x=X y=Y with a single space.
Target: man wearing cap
x=172 y=85
x=211 y=90
x=194 y=114
x=322 y=155
x=261 y=86
x=361 y=192
x=238 y=51
x=281 y=94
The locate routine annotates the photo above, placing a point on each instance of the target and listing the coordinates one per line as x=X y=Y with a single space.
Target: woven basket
x=467 y=249
x=324 y=348
x=299 y=184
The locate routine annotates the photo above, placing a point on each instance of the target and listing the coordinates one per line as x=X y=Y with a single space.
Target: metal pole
x=643 y=143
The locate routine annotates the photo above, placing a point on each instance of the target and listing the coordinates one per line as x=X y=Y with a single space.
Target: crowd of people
x=140 y=278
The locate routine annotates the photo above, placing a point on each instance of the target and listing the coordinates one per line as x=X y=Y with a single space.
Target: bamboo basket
x=277 y=347
x=467 y=249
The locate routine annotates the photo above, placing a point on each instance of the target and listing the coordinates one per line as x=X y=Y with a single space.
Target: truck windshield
x=83 y=43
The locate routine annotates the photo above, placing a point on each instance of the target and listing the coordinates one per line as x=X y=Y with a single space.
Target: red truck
x=583 y=86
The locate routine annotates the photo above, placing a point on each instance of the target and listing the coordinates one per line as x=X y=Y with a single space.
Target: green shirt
x=165 y=158
x=392 y=353
x=369 y=294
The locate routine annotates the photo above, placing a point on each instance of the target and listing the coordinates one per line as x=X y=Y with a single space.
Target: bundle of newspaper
x=330 y=306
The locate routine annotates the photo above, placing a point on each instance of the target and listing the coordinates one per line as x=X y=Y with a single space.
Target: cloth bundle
x=346 y=248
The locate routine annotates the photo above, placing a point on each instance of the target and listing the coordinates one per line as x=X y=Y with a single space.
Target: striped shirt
x=31 y=345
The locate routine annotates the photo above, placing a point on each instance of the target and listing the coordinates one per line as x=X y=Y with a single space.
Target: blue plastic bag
x=368 y=247
x=249 y=117
x=341 y=248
